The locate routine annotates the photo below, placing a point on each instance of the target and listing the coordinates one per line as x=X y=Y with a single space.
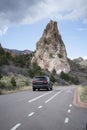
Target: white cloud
x=81 y=29
x=26 y=12
x=3 y=30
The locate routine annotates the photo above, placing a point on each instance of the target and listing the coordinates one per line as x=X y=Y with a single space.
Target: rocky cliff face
x=50 y=50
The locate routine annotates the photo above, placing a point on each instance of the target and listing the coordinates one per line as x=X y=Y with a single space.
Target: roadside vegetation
x=83 y=93
x=13 y=82
x=14 y=71
x=70 y=79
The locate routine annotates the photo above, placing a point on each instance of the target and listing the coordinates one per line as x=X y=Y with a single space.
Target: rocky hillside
x=79 y=69
x=50 y=50
x=81 y=61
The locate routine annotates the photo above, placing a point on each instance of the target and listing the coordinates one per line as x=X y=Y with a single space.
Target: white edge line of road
x=16 y=126
x=32 y=100
x=53 y=96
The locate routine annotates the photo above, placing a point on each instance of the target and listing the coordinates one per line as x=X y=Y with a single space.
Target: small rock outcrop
x=50 y=50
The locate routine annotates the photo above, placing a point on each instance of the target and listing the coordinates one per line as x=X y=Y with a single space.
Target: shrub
x=47 y=41
x=64 y=76
x=0 y=92
x=3 y=60
x=68 y=78
x=13 y=82
x=31 y=73
x=2 y=85
x=23 y=60
x=59 y=55
x=8 y=55
x=2 y=52
x=52 y=78
x=0 y=76
x=54 y=71
x=35 y=70
x=51 y=55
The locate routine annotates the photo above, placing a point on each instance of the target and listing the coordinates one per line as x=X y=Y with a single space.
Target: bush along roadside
x=14 y=82
x=70 y=79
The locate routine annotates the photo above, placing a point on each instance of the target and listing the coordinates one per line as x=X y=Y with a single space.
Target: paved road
x=42 y=110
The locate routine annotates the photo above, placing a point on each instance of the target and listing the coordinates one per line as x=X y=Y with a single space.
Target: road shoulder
x=76 y=101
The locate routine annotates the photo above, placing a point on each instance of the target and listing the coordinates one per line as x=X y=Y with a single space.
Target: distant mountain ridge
x=18 y=52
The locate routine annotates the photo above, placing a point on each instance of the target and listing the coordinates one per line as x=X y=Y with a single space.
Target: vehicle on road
x=41 y=82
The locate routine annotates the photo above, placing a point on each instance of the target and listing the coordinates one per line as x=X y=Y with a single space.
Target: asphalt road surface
x=42 y=110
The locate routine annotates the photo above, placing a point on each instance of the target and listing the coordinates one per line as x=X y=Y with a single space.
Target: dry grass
x=25 y=88
x=83 y=93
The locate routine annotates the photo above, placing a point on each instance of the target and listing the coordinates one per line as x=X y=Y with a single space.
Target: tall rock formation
x=50 y=50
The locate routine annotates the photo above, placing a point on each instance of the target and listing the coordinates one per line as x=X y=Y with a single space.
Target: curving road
x=42 y=110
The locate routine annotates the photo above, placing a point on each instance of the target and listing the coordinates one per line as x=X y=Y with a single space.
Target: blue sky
x=23 y=22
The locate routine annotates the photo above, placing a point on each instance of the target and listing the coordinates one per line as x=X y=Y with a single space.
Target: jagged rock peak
x=50 y=50
x=51 y=29
x=50 y=37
